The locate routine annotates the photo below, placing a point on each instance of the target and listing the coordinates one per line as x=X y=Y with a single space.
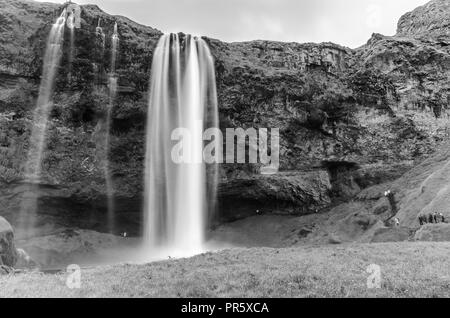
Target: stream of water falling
x=178 y=197
x=112 y=95
x=41 y=113
x=71 y=26
x=101 y=42
x=99 y=32
x=114 y=47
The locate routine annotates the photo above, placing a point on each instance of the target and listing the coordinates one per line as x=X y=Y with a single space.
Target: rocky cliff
x=349 y=119
x=428 y=21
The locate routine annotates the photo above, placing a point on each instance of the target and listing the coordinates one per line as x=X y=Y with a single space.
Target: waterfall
x=178 y=197
x=101 y=42
x=115 y=45
x=71 y=26
x=112 y=95
x=99 y=32
x=41 y=114
x=44 y=104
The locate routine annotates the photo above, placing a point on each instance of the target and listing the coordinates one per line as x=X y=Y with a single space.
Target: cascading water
x=43 y=108
x=115 y=45
x=179 y=196
x=99 y=32
x=100 y=45
x=112 y=95
x=71 y=26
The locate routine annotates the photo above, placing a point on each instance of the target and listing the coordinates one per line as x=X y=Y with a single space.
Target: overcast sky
x=346 y=22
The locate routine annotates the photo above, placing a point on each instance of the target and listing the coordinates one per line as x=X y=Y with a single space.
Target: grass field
x=407 y=270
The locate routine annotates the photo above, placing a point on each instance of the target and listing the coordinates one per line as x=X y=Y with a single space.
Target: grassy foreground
x=407 y=270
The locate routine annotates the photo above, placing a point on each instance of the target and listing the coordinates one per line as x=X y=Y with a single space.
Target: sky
x=346 y=22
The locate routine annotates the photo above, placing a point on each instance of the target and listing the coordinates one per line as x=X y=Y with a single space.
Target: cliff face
x=430 y=20
x=348 y=119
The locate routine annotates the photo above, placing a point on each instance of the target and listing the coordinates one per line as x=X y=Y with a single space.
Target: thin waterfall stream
x=112 y=82
x=37 y=144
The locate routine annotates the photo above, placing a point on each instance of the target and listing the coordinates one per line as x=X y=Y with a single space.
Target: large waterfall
x=41 y=114
x=178 y=197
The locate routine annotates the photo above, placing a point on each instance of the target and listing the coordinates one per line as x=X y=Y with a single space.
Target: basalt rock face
x=348 y=119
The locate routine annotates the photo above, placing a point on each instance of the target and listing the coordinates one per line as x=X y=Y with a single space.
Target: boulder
x=8 y=253
x=5 y=270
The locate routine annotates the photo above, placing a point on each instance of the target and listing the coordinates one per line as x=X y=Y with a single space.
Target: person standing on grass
x=422 y=219
x=442 y=217
x=397 y=222
x=430 y=218
x=435 y=217
x=391 y=198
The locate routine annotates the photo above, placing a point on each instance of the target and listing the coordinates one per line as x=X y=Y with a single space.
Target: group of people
x=432 y=218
